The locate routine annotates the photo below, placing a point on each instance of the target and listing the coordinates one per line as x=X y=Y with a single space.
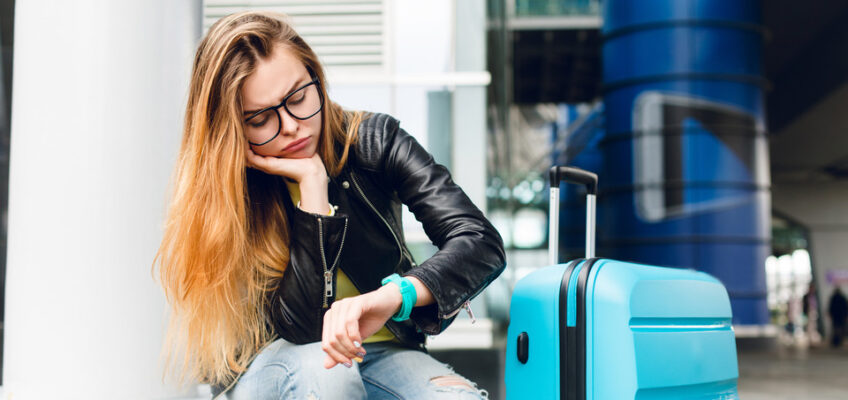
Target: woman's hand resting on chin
x=309 y=173
x=297 y=169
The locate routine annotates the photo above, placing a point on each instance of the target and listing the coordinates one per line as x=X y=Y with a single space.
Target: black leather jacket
x=365 y=238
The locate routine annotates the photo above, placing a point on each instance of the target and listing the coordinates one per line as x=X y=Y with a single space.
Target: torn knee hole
x=451 y=380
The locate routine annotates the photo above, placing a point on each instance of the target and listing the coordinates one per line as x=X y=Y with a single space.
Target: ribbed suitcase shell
x=636 y=332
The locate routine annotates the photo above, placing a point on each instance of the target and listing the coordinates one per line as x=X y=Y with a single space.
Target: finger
x=247 y=162
x=337 y=357
x=347 y=312
x=353 y=333
x=248 y=153
x=329 y=362
x=327 y=343
x=352 y=329
x=253 y=160
x=274 y=165
x=338 y=334
x=258 y=161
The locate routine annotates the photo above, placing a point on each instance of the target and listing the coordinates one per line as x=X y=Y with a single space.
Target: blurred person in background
x=811 y=313
x=283 y=255
x=838 y=309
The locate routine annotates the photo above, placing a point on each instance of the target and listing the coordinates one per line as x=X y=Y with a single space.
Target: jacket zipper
x=466 y=305
x=392 y=231
x=328 y=272
x=401 y=254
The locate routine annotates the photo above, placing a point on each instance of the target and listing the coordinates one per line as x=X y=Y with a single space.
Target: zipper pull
x=328 y=284
x=467 y=307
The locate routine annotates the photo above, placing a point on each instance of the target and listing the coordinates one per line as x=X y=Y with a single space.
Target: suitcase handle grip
x=573 y=175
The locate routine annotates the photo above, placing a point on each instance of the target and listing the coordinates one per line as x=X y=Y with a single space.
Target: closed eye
x=298 y=100
x=258 y=122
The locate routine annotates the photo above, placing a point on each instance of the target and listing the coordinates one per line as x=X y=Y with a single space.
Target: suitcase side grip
x=523 y=347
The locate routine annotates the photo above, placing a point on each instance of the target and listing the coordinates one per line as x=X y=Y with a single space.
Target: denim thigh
x=283 y=370
x=390 y=371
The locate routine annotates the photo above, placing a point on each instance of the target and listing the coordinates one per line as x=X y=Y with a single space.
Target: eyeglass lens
x=302 y=104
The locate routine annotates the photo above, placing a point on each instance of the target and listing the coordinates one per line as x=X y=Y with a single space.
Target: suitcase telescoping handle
x=571 y=175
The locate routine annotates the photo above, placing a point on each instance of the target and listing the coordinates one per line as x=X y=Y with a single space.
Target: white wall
x=99 y=92
x=420 y=45
x=435 y=45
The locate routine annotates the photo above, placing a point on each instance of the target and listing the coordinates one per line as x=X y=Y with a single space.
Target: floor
x=818 y=373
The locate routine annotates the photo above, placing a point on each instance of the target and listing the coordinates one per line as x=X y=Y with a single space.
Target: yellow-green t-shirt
x=344 y=287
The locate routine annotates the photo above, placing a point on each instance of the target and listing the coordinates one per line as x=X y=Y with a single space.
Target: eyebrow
x=288 y=92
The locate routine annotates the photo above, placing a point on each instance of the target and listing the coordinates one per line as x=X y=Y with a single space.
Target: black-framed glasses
x=303 y=103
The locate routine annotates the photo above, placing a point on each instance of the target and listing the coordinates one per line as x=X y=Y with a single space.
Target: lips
x=297 y=145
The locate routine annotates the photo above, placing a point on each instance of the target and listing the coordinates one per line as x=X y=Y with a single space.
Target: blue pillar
x=685 y=179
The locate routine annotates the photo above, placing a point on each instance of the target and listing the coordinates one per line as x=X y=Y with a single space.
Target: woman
x=283 y=254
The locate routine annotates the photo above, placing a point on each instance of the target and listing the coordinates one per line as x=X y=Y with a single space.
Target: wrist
x=313 y=195
x=317 y=178
x=407 y=292
x=391 y=293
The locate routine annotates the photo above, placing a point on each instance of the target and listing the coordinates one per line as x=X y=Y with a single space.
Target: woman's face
x=276 y=77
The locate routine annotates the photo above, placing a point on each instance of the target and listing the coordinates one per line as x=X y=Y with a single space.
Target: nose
x=289 y=123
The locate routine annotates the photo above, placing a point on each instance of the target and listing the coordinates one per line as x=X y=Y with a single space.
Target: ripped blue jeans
x=283 y=370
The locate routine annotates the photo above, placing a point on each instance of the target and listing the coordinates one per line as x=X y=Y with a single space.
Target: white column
x=98 y=96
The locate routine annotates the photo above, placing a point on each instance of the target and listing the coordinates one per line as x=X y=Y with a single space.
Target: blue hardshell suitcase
x=602 y=329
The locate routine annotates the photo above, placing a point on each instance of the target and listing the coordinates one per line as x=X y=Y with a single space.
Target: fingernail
x=361 y=354
x=355 y=343
x=347 y=364
x=357 y=359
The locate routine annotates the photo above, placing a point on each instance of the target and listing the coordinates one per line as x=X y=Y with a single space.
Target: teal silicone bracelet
x=407 y=292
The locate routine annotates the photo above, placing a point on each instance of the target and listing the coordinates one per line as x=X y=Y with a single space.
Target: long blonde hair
x=226 y=237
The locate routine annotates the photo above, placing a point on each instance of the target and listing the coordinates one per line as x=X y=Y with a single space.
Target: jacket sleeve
x=471 y=253
x=315 y=246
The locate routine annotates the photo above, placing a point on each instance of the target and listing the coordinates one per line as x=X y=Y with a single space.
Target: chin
x=300 y=154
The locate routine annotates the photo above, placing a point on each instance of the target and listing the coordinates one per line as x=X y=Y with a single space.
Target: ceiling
x=806 y=62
